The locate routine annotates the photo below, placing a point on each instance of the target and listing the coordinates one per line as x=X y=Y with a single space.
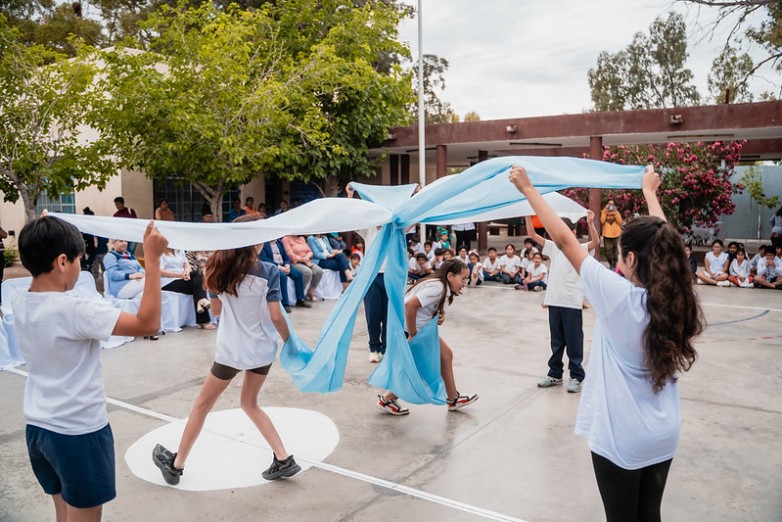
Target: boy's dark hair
x=529 y=240
x=355 y=256
x=421 y=256
x=492 y=248
x=416 y=238
x=43 y=239
x=569 y=223
x=764 y=248
x=119 y=199
x=410 y=251
x=438 y=251
x=717 y=242
x=427 y=243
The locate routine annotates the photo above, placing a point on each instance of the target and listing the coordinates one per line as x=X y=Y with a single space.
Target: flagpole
x=421 y=110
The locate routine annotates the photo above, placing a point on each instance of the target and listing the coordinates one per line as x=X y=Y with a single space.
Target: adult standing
x=125 y=212
x=301 y=255
x=564 y=302
x=611 y=224
x=464 y=234
x=163 y=212
x=776 y=230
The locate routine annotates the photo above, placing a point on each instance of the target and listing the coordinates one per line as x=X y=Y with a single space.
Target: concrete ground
x=510 y=456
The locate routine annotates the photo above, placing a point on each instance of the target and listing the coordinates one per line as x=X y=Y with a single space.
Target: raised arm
x=537 y=238
x=594 y=236
x=557 y=229
x=651 y=181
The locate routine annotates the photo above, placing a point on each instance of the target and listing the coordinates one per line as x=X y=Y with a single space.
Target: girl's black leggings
x=630 y=495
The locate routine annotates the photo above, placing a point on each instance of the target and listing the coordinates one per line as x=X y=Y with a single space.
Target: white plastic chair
x=330 y=287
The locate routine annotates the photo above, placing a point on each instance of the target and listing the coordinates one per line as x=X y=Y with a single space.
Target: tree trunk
x=214 y=197
x=29 y=201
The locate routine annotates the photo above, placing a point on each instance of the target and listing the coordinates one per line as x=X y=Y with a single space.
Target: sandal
x=206 y=326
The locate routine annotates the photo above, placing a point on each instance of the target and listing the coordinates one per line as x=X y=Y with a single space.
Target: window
x=185 y=201
x=65 y=203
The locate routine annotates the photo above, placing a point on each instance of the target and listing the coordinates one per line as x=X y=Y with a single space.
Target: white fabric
x=621 y=416
x=60 y=339
x=562 y=279
x=246 y=336
x=429 y=294
x=716 y=263
x=330 y=287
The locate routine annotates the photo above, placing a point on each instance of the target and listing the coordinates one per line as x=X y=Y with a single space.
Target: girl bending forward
x=425 y=300
x=643 y=337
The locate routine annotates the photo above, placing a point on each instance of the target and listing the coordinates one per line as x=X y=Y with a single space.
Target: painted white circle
x=230 y=451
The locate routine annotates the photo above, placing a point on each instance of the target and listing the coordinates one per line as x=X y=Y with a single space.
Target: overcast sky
x=518 y=58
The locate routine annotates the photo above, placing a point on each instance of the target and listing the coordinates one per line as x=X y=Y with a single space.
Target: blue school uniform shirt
x=619 y=413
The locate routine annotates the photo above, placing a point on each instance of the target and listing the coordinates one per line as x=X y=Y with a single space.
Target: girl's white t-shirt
x=510 y=263
x=619 y=413
x=716 y=264
x=246 y=336
x=739 y=269
x=429 y=294
x=535 y=272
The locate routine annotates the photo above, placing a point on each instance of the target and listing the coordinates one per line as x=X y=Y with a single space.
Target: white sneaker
x=380 y=356
x=374 y=357
x=723 y=283
x=573 y=386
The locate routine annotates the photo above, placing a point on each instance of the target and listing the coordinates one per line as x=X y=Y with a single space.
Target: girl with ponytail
x=643 y=338
x=424 y=301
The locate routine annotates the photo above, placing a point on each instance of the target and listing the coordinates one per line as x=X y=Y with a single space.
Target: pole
x=421 y=110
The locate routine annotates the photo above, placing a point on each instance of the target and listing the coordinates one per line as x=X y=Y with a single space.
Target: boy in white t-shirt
x=715 y=269
x=491 y=266
x=69 y=439
x=757 y=259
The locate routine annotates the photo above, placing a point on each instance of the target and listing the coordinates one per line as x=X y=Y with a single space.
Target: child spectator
x=424 y=267
x=358 y=247
x=444 y=242
x=355 y=264
x=529 y=244
x=429 y=251
x=438 y=258
x=758 y=258
x=768 y=273
x=739 y=270
x=537 y=275
x=510 y=266
x=715 y=266
x=527 y=260
x=691 y=259
x=476 y=274
x=491 y=266
x=415 y=244
x=412 y=266
x=448 y=254
x=733 y=247
x=69 y=439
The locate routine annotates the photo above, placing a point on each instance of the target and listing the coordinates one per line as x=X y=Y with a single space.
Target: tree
x=52 y=24
x=767 y=34
x=472 y=116
x=436 y=110
x=45 y=100
x=223 y=95
x=728 y=77
x=649 y=73
x=696 y=187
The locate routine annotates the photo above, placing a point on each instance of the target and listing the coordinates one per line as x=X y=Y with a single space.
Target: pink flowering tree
x=696 y=187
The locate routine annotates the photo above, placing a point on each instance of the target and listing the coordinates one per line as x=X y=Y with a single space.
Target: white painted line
x=393 y=486
x=741 y=307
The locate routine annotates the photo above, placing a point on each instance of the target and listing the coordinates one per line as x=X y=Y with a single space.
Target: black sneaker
x=301 y=303
x=281 y=469
x=164 y=460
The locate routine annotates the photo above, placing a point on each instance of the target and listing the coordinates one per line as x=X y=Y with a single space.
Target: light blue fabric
x=412 y=370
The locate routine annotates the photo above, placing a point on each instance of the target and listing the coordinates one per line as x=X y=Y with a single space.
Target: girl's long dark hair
x=675 y=317
x=452 y=266
x=225 y=269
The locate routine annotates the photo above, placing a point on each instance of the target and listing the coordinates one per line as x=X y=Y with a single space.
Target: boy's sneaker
x=573 y=386
x=460 y=401
x=548 y=382
x=723 y=283
x=281 y=469
x=391 y=407
x=518 y=286
x=164 y=460
x=538 y=288
x=374 y=357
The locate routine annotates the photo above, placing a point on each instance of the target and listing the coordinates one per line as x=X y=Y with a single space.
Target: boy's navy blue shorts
x=81 y=467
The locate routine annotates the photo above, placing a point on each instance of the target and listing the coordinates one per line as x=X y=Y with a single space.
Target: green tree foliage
x=435 y=109
x=45 y=100
x=52 y=24
x=472 y=116
x=649 y=73
x=767 y=34
x=727 y=80
x=223 y=95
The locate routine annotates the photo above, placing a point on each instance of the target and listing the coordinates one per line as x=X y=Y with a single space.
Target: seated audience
x=739 y=270
x=491 y=266
x=301 y=256
x=125 y=273
x=537 y=275
x=176 y=275
x=715 y=266
x=510 y=266
x=328 y=258
x=274 y=252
